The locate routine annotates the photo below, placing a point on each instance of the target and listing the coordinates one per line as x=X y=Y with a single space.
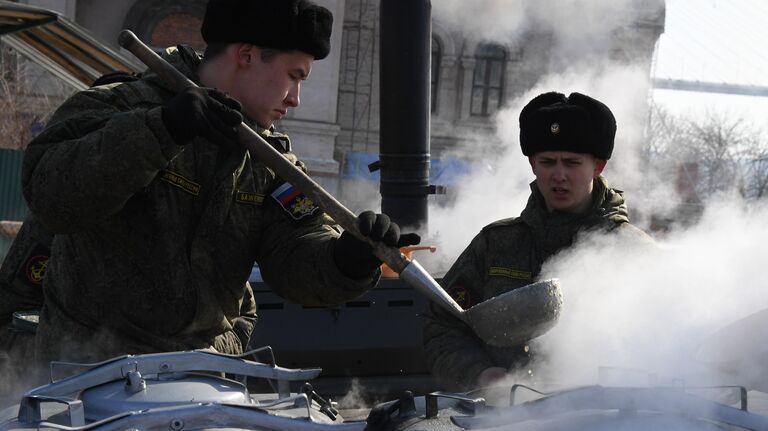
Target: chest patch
x=461 y=295
x=181 y=182
x=500 y=271
x=294 y=202
x=249 y=198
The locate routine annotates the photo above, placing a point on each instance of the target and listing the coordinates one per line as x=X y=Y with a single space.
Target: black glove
x=355 y=258
x=206 y=112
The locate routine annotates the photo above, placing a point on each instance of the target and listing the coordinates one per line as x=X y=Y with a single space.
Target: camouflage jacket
x=504 y=256
x=154 y=242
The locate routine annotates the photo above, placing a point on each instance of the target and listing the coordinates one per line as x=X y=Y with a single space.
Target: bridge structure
x=713 y=46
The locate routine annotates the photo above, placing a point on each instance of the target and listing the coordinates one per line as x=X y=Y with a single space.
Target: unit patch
x=181 y=182
x=500 y=271
x=249 y=198
x=294 y=202
x=35 y=269
x=461 y=295
x=32 y=271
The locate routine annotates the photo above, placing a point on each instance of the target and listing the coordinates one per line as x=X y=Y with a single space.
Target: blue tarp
x=447 y=171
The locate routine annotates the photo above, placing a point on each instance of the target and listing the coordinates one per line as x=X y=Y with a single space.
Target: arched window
x=435 y=72
x=163 y=23
x=488 y=81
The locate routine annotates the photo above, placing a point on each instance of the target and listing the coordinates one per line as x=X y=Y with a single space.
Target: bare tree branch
x=28 y=96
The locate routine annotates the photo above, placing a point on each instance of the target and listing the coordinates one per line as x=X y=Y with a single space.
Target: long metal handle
x=265 y=153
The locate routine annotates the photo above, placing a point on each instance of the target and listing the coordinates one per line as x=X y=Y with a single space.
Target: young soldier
x=159 y=214
x=568 y=141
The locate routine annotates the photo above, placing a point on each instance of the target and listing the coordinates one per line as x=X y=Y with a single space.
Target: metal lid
x=169 y=390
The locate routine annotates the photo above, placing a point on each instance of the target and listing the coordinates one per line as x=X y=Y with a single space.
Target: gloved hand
x=206 y=112
x=355 y=258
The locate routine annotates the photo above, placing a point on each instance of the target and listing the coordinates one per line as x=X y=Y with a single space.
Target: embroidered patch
x=294 y=202
x=500 y=271
x=249 y=198
x=35 y=269
x=461 y=295
x=181 y=182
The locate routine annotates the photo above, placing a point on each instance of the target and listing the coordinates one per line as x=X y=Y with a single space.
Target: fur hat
x=577 y=123
x=277 y=24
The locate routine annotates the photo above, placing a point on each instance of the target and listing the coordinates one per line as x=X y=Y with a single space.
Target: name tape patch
x=500 y=271
x=249 y=198
x=181 y=182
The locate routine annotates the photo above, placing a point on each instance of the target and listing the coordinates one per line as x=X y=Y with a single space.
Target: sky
x=719 y=41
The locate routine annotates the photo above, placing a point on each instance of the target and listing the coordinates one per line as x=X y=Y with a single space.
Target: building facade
x=339 y=114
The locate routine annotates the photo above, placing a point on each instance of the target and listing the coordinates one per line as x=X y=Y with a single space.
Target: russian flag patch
x=294 y=202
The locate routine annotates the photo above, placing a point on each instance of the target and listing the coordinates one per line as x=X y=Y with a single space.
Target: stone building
x=339 y=113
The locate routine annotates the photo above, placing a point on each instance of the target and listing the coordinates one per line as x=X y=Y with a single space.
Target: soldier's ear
x=599 y=166
x=532 y=163
x=246 y=53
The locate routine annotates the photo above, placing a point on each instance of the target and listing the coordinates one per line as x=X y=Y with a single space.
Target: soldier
x=158 y=212
x=568 y=141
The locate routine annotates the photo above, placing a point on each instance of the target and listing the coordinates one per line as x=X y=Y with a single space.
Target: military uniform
x=155 y=241
x=504 y=256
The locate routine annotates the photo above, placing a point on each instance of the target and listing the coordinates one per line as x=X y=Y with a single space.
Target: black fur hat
x=278 y=24
x=577 y=123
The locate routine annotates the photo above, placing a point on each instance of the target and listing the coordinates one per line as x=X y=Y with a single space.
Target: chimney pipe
x=406 y=36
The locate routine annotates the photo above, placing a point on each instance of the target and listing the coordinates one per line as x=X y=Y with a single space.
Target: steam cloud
x=650 y=310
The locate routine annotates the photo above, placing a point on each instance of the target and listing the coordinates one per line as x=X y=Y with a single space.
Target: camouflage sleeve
x=96 y=152
x=296 y=258
x=235 y=341
x=455 y=356
x=22 y=271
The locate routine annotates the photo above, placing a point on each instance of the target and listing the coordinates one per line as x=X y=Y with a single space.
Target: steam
x=355 y=396
x=650 y=310
x=576 y=23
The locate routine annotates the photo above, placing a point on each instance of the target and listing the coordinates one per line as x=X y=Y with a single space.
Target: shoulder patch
x=294 y=202
x=33 y=270
x=181 y=182
x=500 y=271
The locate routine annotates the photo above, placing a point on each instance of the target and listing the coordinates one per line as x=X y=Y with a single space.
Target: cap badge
x=554 y=128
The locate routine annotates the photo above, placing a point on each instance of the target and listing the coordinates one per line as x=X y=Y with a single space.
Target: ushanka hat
x=577 y=123
x=277 y=24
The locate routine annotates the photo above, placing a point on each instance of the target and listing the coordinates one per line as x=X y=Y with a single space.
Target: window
x=176 y=28
x=488 y=81
x=163 y=23
x=435 y=73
